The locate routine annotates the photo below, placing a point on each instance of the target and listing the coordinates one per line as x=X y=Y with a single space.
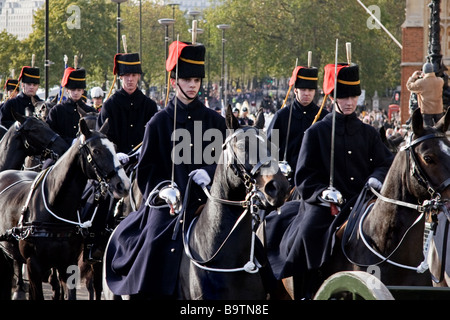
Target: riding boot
x=306 y=284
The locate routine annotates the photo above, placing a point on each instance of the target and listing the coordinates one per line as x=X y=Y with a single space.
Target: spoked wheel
x=353 y=285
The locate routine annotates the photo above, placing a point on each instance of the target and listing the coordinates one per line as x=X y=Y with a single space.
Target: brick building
x=415 y=43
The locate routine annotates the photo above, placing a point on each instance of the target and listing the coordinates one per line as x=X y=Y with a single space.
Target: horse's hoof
x=19 y=295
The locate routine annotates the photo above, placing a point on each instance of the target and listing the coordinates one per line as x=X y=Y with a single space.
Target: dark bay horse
x=388 y=238
x=222 y=260
x=46 y=232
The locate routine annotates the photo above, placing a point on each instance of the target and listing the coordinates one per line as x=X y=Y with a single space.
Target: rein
x=427 y=206
x=24 y=230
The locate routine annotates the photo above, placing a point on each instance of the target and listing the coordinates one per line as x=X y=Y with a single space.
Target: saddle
x=364 y=202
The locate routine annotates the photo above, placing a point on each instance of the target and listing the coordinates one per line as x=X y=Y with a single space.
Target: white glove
x=200 y=177
x=123 y=157
x=375 y=183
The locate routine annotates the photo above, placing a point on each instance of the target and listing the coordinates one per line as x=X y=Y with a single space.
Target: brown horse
x=388 y=238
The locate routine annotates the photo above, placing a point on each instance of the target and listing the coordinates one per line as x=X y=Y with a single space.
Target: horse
x=387 y=237
x=29 y=136
x=46 y=232
x=42 y=108
x=221 y=260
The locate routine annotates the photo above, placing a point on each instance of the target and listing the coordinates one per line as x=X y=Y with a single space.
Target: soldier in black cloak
x=63 y=118
x=303 y=111
x=144 y=254
x=30 y=83
x=360 y=157
x=127 y=111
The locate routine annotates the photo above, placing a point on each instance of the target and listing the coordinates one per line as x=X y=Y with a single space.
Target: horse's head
x=428 y=156
x=89 y=117
x=100 y=161
x=250 y=159
x=38 y=138
x=41 y=108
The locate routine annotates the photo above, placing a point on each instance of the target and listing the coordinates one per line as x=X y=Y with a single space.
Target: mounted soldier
x=296 y=118
x=144 y=254
x=328 y=189
x=64 y=117
x=30 y=83
x=11 y=88
x=127 y=111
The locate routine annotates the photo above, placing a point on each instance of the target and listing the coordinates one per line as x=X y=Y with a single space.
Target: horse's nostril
x=271 y=188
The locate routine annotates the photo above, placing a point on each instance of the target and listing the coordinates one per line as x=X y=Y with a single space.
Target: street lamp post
x=118 y=22
x=166 y=23
x=173 y=5
x=223 y=93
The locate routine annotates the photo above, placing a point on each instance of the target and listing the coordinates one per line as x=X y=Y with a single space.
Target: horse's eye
x=428 y=159
x=96 y=151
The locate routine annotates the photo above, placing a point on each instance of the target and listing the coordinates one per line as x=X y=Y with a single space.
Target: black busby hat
x=30 y=75
x=190 y=58
x=304 y=78
x=74 y=78
x=127 y=63
x=348 y=83
x=11 y=84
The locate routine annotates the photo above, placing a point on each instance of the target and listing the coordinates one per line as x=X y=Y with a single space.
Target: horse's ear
x=443 y=124
x=17 y=116
x=232 y=122
x=33 y=101
x=260 y=120
x=81 y=112
x=55 y=100
x=105 y=127
x=84 y=129
x=417 y=122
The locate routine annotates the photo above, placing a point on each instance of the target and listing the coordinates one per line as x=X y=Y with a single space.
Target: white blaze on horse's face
x=121 y=173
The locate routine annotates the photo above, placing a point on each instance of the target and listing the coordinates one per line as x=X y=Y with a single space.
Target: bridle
x=252 y=203
x=101 y=175
x=44 y=150
x=24 y=230
x=432 y=206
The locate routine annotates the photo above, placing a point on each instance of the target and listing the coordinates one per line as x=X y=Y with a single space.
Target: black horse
x=46 y=232
x=223 y=260
x=29 y=136
x=388 y=236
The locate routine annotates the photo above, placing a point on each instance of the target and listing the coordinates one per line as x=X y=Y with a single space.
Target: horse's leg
x=289 y=286
x=435 y=266
x=97 y=273
x=54 y=283
x=19 y=293
x=6 y=276
x=34 y=274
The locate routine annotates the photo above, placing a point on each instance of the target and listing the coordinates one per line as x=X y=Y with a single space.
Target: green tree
x=8 y=45
x=85 y=28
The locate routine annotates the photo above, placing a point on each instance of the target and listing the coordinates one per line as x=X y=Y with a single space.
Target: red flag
x=175 y=49
x=66 y=76
x=328 y=78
